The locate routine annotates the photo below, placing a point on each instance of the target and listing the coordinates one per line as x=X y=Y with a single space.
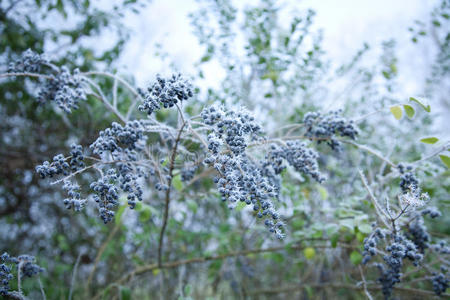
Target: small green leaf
x=356 y=257
x=119 y=213
x=334 y=240
x=187 y=289
x=156 y=271
x=145 y=214
x=430 y=140
x=125 y=293
x=309 y=253
x=365 y=228
x=445 y=159
x=409 y=110
x=192 y=205
x=427 y=108
x=240 y=206
x=397 y=112
x=323 y=192
x=177 y=183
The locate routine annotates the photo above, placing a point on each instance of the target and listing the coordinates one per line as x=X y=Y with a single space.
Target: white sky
x=346 y=25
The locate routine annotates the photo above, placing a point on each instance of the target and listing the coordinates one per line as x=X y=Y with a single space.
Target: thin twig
x=174 y=264
x=101 y=251
x=167 y=201
x=380 y=212
x=302 y=286
x=19 y=277
x=370 y=150
x=74 y=275
x=41 y=287
x=364 y=283
x=445 y=147
x=37 y=75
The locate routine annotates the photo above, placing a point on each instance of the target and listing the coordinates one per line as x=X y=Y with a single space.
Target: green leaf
x=205 y=58
x=409 y=110
x=445 y=159
x=177 y=183
x=240 y=206
x=365 y=228
x=192 y=205
x=125 y=293
x=145 y=214
x=323 y=192
x=119 y=213
x=187 y=289
x=397 y=112
x=156 y=271
x=436 y=23
x=430 y=140
x=427 y=108
x=334 y=240
x=356 y=257
x=309 y=253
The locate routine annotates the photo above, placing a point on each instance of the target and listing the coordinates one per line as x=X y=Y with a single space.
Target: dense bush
x=180 y=190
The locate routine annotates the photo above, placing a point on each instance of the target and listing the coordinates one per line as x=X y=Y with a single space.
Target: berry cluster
x=408 y=181
x=29 y=62
x=440 y=282
x=59 y=165
x=5 y=275
x=128 y=183
x=106 y=195
x=76 y=157
x=27 y=266
x=399 y=249
x=74 y=201
x=239 y=178
x=231 y=129
x=325 y=127
x=188 y=172
x=65 y=89
x=417 y=232
x=298 y=155
x=165 y=92
x=131 y=136
x=370 y=244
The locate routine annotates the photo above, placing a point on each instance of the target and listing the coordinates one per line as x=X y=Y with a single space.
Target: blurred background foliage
x=276 y=69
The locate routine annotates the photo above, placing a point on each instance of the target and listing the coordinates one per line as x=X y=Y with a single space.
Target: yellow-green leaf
x=309 y=253
x=356 y=257
x=177 y=183
x=145 y=214
x=397 y=112
x=323 y=192
x=427 y=108
x=430 y=140
x=240 y=206
x=156 y=271
x=409 y=110
x=445 y=159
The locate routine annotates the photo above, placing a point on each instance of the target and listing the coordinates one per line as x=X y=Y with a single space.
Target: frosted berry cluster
x=106 y=195
x=240 y=179
x=119 y=140
x=74 y=200
x=298 y=155
x=29 y=62
x=165 y=92
x=325 y=127
x=64 y=88
x=28 y=268
x=59 y=165
x=408 y=180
